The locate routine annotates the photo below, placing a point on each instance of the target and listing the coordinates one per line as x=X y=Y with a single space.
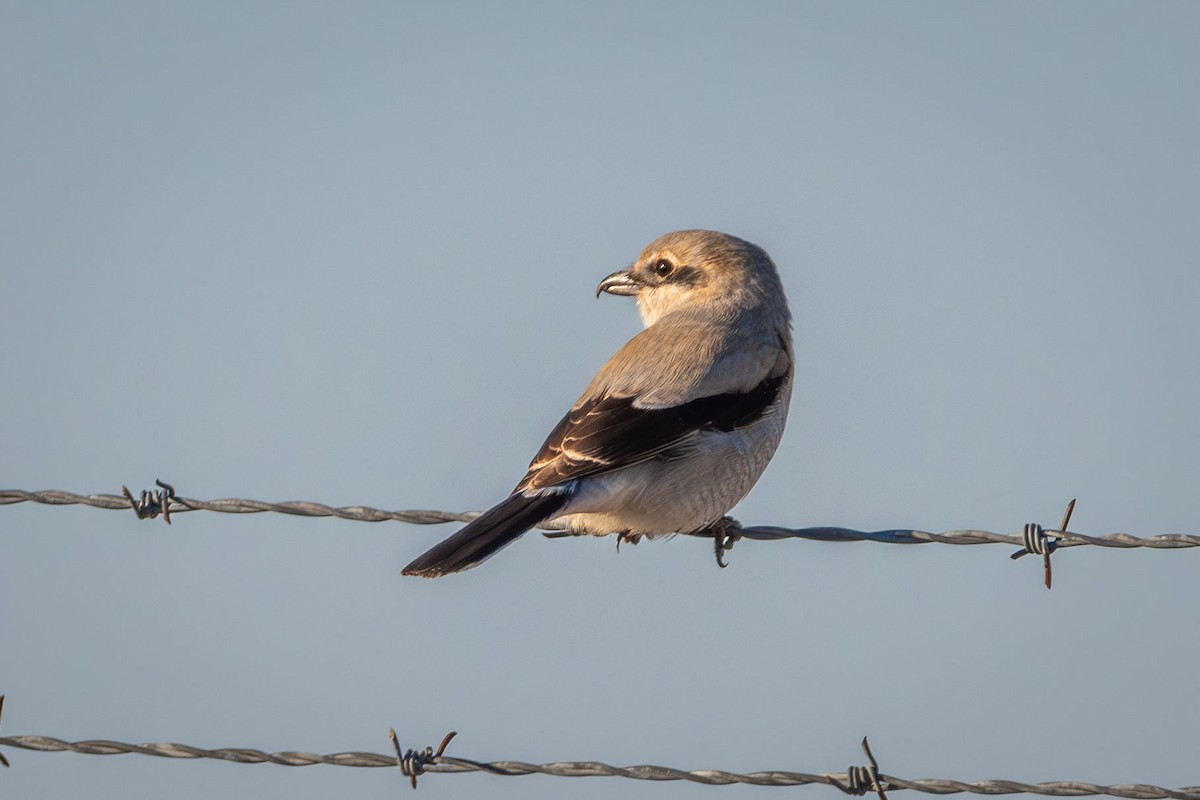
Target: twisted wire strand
x=590 y=769
x=304 y=508
x=299 y=508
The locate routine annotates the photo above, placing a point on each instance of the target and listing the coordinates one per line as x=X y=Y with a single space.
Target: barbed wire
x=178 y=505
x=426 y=761
x=166 y=502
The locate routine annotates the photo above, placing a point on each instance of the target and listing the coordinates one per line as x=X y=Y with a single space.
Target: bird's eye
x=663 y=268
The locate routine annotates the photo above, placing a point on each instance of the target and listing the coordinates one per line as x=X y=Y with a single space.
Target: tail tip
x=418 y=570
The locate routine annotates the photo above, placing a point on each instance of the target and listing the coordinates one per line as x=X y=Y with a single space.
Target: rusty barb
x=860 y=780
x=413 y=762
x=1037 y=542
x=151 y=504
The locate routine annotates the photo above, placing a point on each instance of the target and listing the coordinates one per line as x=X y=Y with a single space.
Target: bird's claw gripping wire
x=413 y=762
x=725 y=532
x=151 y=504
x=1037 y=542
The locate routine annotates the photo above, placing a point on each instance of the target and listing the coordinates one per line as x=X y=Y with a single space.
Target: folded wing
x=607 y=433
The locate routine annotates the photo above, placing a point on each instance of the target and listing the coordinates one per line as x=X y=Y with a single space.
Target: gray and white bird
x=678 y=426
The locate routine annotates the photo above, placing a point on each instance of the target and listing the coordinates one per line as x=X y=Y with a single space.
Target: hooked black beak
x=620 y=282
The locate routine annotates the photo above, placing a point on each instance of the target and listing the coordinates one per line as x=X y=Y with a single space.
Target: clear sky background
x=347 y=253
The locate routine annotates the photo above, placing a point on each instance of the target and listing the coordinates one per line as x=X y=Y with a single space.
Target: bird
x=677 y=427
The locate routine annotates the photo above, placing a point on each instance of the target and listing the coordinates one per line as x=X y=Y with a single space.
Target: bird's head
x=690 y=269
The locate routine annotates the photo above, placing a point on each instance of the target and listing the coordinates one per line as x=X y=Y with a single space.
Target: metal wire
x=305 y=508
x=299 y=508
x=589 y=769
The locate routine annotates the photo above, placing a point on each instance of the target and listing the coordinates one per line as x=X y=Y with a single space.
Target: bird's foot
x=725 y=532
x=626 y=536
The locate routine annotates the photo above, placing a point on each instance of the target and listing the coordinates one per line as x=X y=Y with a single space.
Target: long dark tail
x=486 y=535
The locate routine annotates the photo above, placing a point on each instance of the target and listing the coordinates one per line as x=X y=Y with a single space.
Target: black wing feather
x=610 y=432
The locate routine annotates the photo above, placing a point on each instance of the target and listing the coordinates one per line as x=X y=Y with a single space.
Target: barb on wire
x=304 y=508
x=413 y=762
x=3 y=760
x=582 y=769
x=151 y=504
x=298 y=508
x=1036 y=542
x=860 y=780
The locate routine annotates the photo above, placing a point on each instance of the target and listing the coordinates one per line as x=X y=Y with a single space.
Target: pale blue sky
x=347 y=254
